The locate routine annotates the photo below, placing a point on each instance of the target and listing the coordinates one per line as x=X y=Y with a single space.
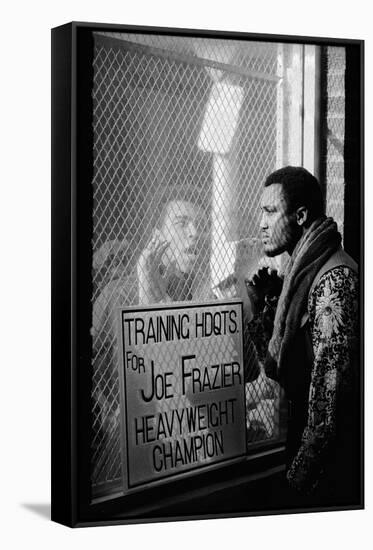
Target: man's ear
x=301 y=215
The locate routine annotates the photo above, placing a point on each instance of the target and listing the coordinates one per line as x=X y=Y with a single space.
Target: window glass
x=185 y=131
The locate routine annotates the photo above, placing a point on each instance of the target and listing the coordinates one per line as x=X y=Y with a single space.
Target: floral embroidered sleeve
x=333 y=317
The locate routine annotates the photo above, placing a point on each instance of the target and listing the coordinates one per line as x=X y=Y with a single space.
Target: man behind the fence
x=169 y=269
x=168 y=266
x=313 y=348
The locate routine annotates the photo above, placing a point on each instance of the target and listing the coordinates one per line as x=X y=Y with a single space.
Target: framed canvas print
x=207 y=274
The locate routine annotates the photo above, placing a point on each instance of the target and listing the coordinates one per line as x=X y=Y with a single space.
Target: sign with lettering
x=182 y=390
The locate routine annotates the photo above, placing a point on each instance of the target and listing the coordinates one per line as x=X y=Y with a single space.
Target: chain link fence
x=185 y=132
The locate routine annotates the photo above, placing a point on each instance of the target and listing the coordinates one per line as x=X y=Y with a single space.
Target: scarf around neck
x=315 y=247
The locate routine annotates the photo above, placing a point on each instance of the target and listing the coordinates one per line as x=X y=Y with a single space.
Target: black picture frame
x=72 y=203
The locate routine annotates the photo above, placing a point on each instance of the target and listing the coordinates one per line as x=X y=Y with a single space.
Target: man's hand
x=261 y=388
x=262 y=417
x=265 y=262
x=261 y=396
x=152 y=275
x=264 y=283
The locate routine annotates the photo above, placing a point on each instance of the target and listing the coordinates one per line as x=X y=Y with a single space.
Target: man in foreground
x=313 y=348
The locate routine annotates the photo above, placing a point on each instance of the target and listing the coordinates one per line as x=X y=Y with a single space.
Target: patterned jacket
x=321 y=381
x=328 y=435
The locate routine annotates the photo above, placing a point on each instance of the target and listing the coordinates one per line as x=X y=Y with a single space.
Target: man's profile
x=313 y=344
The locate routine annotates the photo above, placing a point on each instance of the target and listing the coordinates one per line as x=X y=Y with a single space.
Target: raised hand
x=153 y=275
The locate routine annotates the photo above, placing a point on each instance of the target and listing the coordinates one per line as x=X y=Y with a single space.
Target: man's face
x=179 y=229
x=279 y=229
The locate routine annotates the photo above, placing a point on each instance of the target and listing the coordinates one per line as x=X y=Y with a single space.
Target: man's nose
x=263 y=224
x=192 y=230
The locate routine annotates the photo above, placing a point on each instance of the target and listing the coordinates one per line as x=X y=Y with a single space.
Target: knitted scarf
x=314 y=248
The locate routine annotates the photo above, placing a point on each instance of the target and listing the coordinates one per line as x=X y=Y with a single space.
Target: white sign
x=182 y=390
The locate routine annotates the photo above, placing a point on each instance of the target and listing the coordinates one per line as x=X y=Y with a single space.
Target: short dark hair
x=300 y=188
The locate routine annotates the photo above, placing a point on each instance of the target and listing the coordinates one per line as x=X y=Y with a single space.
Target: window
x=196 y=124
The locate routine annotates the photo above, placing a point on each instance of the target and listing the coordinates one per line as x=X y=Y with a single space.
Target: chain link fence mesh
x=193 y=123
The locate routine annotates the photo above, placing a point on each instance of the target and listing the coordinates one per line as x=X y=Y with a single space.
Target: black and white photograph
x=186 y=222
x=216 y=193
